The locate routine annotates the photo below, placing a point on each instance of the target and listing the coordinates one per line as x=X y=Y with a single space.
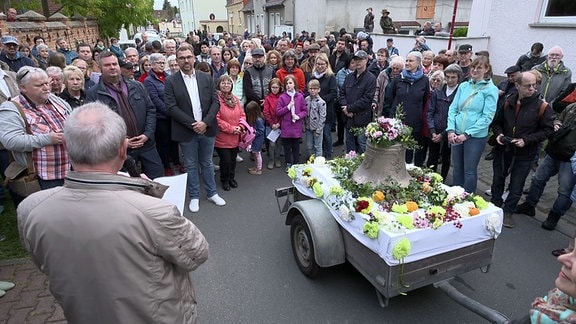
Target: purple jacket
x=291 y=129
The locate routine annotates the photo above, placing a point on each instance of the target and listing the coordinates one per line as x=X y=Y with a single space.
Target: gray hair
x=454 y=68
x=438 y=74
x=416 y=54
x=54 y=70
x=169 y=41
x=94 y=134
x=397 y=60
x=130 y=49
x=153 y=58
x=170 y=58
x=42 y=47
x=27 y=72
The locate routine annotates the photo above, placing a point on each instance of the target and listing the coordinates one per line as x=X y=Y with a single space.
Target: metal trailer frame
x=318 y=242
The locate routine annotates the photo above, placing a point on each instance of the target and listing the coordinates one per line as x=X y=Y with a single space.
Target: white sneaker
x=194 y=205
x=488 y=192
x=239 y=159
x=217 y=200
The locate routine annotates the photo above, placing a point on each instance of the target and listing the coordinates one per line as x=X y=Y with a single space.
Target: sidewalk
x=31 y=302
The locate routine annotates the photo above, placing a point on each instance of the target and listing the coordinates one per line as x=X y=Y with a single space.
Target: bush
x=460 y=32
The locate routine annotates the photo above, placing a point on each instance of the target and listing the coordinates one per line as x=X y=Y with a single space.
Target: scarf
x=556 y=307
x=228 y=98
x=412 y=76
x=124 y=107
x=318 y=75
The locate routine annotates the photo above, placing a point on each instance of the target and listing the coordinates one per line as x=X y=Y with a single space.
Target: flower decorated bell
x=381 y=165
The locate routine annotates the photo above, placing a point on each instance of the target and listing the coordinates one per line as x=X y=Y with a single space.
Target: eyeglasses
x=247 y=63
x=225 y=83
x=30 y=70
x=161 y=63
x=435 y=80
x=530 y=85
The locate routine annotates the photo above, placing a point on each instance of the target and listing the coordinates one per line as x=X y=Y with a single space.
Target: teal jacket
x=473 y=116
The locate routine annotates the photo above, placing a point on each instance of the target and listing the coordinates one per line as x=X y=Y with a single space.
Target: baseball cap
x=361 y=35
x=360 y=54
x=9 y=40
x=512 y=69
x=465 y=48
x=483 y=53
x=257 y=52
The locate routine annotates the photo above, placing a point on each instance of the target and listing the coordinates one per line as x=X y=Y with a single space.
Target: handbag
x=248 y=136
x=22 y=180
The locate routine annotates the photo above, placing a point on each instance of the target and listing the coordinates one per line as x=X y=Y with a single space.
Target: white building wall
x=192 y=11
x=511 y=34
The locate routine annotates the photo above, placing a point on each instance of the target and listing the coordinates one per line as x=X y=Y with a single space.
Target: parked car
x=152 y=35
x=124 y=44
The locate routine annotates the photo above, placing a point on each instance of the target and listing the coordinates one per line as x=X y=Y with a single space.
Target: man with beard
x=11 y=56
x=257 y=77
x=555 y=75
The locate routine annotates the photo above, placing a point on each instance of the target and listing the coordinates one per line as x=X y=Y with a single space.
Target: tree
x=166 y=5
x=111 y=14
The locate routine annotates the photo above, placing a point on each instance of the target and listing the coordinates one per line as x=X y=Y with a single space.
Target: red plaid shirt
x=51 y=161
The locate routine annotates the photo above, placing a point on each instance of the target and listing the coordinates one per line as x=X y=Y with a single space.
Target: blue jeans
x=354 y=142
x=314 y=142
x=519 y=170
x=566 y=180
x=148 y=156
x=198 y=157
x=465 y=159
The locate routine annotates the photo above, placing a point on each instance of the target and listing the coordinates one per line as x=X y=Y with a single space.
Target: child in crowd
x=255 y=119
x=273 y=121
x=292 y=111
x=314 y=123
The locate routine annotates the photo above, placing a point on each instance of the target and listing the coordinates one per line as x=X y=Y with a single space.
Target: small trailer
x=318 y=241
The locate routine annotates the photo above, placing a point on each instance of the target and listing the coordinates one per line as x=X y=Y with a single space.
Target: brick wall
x=76 y=29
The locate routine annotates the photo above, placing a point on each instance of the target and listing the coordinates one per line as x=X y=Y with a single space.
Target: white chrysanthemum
x=345 y=213
x=462 y=209
x=493 y=224
x=304 y=180
x=320 y=161
x=455 y=191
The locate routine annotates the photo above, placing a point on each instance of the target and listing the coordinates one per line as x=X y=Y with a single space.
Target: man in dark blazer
x=191 y=100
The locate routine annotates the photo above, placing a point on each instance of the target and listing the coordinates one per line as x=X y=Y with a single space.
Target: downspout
x=452 y=24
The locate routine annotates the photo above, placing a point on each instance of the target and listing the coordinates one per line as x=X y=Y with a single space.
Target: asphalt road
x=251 y=275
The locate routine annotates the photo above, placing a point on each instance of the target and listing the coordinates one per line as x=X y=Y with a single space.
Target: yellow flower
x=378 y=196
x=412 y=206
x=401 y=249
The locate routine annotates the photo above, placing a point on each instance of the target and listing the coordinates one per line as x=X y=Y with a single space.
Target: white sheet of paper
x=176 y=193
x=273 y=135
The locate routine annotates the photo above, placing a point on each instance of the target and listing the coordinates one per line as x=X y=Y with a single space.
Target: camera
x=506 y=139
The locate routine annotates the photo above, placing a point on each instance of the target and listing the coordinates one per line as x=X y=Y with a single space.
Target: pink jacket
x=227 y=119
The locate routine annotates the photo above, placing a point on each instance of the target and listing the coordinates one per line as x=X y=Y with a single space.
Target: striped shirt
x=51 y=162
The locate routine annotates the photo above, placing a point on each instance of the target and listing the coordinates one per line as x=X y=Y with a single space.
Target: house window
x=558 y=11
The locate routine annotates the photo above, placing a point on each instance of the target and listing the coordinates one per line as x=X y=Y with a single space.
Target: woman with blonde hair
x=73 y=92
x=329 y=93
x=274 y=58
x=145 y=67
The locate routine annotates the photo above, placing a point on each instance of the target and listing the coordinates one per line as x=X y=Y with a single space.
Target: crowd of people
x=182 y=101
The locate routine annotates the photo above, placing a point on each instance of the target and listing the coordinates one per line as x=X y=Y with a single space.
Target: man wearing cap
x=464 y=60
x=369 y=21
x=308 y=64
x=391 y=49
x=356 y=101
x=11 y=56
x=127 y=70
x=386 y=23
x=257 y=77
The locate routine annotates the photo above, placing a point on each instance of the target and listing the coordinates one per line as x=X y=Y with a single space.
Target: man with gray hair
x=46 y=114
x=139 y=270
x=555 y=75
x=132 y=56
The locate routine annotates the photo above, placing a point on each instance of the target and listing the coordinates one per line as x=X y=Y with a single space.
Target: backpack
x=248 y=136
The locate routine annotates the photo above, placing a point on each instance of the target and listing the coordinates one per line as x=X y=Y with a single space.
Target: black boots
x=551 y=221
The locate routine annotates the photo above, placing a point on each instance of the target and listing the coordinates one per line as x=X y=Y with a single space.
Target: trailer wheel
x=303 y=247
